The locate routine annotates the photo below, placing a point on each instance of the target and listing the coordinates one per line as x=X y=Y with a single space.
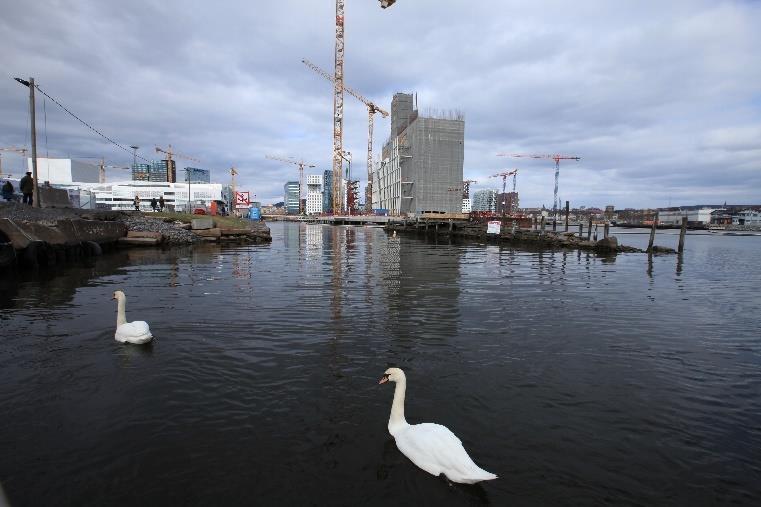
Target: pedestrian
x=154 y=204
x=8 y=190
x=161 y=203
x=137 y=203
x=26 y=185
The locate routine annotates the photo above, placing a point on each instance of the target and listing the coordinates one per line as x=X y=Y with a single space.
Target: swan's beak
x=383 y=379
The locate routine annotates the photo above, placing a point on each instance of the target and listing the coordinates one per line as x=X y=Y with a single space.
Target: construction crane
x=557 y=159
x=504 y=175
x=301 y=165
x=169 y=154
x=338 y=100
x=372 y=108
x=22 y=151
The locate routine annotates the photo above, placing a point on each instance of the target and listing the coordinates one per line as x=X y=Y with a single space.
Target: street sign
x=493 y=227
x=242 y=200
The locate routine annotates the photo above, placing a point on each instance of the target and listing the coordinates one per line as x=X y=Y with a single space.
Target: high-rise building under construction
x=420 y=169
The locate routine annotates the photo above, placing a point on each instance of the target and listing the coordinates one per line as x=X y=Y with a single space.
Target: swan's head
x=393 y=375
x=118 y=295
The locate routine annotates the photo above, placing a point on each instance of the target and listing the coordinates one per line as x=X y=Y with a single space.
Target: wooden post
x=534 y=222
x=589 y=228
x=451 y=225
x=36 y=189
x=581 y=231
x=543 y=224
x=607 y=231
x=554 y=225
x=652 y=236
x=596 y=227
x=567 y=212
x=682 y=234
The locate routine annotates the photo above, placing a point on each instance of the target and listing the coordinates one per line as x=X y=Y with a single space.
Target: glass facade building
x=291 y=197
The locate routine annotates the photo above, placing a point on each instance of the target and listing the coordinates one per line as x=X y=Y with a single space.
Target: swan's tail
x=478 y=475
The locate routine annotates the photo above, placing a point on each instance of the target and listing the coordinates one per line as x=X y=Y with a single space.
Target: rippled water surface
x=577 y=379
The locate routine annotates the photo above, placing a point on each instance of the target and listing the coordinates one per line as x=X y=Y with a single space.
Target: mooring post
x=513 y=228
x=554 y=225
x=682 y=234
x=567 y=212
x=606 y=231
x=534 y=222
x=451 y=225
x=589 y=228
x=581 y=231
x=652 y=236
x=543 y=224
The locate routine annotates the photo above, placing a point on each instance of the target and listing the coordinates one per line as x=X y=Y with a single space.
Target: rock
x=7 y=255
x=145 y=234
x=138 y=241
x=202 y=223
x=607 y=244
x=209 y=233
x=236 y=232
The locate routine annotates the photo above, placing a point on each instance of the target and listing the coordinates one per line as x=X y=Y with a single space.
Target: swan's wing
x=137 y=331
x=437 y=450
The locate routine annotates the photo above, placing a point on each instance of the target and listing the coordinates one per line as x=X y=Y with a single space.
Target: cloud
x=661 y=101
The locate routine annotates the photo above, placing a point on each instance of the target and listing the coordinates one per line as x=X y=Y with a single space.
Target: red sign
x=242 y=200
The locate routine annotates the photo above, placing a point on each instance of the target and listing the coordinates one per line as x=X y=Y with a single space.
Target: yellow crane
x=301 y=165
x=169 y=154
x=372 y=108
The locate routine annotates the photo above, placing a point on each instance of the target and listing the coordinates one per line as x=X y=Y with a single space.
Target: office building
x=291 y=197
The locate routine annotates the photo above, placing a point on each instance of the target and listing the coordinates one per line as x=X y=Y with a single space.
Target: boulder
x=202 y=223
x=607 y=244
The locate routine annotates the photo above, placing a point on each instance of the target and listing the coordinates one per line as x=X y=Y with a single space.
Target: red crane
x=504 y=175
x=557 y=159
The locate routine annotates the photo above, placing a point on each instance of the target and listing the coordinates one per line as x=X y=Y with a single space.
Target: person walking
x=137 y=203
x=154 y=204
x=161 y=202
x=26 y=185
x=8 y=191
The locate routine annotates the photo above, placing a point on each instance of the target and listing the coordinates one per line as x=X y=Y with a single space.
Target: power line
x=101 y=134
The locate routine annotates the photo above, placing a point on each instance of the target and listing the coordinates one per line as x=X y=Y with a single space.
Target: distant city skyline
x=662 y=102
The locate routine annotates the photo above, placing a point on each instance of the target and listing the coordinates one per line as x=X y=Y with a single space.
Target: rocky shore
x=33 y=237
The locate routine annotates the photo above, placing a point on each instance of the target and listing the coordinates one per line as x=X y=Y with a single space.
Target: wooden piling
x=682 y=234
x=589 y=228
x=543 y=224
x=652 y=236
x=554 y=225
x=534 y=225
x=606 y=231
x=567 y=212
x=581 y=231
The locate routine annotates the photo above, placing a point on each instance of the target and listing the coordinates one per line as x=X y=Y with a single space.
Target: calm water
x=577 y=379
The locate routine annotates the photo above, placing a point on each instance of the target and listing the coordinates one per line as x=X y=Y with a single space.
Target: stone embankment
x=32 y=237
x=476 y=231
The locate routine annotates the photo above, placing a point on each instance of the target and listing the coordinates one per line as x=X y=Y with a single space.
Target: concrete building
x=694 y=216
x=747 y=217
x=64 y=171
x=314 y=194
x=121 y=195
x=466 y=206
x=291 y=197
x=420 y=162
x=508 y=201
x=485 y=200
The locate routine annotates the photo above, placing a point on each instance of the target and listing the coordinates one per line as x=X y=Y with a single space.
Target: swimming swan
x=431 y=447
x=129 y=332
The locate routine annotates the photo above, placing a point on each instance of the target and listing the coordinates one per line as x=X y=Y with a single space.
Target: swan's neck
x=397 y=421
x=121 y=318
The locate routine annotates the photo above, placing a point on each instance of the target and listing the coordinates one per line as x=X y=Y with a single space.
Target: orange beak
x=383 y=379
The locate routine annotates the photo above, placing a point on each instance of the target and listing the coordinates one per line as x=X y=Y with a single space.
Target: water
x=577 y=379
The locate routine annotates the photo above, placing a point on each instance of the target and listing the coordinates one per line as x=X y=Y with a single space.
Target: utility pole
x=233 y=172
x=134 y=156
x=36 y=192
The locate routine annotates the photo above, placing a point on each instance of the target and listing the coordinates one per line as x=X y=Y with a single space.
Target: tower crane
x=301 y=165
x=557 y=159
x=338 y=100
x=169 y=154
x=22 y=151
x=466 y=188
x=504 y=175
x=372 y=108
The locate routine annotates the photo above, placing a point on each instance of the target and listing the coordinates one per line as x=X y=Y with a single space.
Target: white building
x=314 y=194
x=747 y=217
x=466 y=205
x=485 y=200
x=121 y=195
x=694 y=216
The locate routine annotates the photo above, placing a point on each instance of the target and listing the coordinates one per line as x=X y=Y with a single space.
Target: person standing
x=8 y=191
x=137 y=203
x=154 y=204
x=26 y=185
x=161 y=202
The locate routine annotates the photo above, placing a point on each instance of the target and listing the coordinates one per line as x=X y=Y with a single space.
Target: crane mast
x=557 y=159
x=338 y=108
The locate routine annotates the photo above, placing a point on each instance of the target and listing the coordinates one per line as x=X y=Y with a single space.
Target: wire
x=101 y=134
x=45 y=113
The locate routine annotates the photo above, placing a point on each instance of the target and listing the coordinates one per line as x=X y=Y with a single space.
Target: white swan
x=136 y=332
x=430 y=446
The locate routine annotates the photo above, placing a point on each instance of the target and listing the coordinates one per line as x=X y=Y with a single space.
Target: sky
x=661 y=100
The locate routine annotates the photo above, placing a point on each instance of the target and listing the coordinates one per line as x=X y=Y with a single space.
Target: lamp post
x=134 y=157
x=36 y=191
